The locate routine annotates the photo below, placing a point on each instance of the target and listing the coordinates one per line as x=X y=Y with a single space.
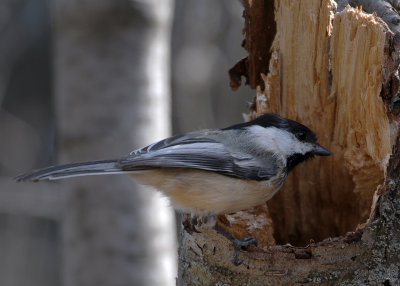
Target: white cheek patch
x=278 y=141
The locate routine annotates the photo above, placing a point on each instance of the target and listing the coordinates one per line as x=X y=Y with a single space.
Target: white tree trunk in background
x=112 y=95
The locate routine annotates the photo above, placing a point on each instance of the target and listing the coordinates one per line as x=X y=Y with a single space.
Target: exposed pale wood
x=303 y=209
x=254 y=222
x=386 y=9
x=361 y=130
x=337 y=74
x=343 y=108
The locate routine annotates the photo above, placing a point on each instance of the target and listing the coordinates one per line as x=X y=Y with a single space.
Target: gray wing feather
x=192 y=137
x=72 y=170
x=189 y=151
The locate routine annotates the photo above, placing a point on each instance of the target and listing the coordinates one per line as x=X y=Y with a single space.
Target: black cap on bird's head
x=301 y=132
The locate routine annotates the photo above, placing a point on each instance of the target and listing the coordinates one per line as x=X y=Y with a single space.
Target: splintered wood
x=336 y=73
x=362 y=129
x=326 y=72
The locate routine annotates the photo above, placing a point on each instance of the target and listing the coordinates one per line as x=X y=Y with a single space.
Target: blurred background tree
x=90 y=80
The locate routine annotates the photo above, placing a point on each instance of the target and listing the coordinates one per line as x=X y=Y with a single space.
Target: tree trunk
x=112 y=95
x=336 y=73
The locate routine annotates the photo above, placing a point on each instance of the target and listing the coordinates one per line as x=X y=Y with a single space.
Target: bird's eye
x=301 y=136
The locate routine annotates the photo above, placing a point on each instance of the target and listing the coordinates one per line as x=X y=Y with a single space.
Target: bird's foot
x=238 y=244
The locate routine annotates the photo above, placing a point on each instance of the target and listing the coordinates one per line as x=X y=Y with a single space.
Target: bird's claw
x=238 y=244
x=244 y=242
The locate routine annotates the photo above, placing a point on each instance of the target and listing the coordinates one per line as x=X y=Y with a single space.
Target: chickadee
x=210 y=172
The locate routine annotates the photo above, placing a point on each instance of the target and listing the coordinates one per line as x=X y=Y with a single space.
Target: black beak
x=321 y=151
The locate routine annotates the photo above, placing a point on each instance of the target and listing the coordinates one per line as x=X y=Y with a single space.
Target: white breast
x=202 y=192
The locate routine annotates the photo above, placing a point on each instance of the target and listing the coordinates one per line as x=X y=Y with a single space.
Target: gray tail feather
x=72 y=170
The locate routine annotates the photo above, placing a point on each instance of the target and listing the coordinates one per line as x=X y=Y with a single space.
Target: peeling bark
x=259 y=29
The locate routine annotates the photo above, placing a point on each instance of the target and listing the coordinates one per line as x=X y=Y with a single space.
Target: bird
x=210 y=171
